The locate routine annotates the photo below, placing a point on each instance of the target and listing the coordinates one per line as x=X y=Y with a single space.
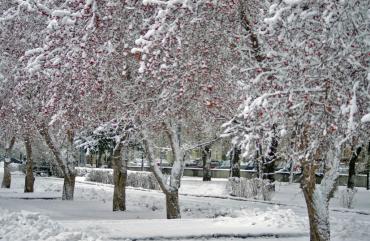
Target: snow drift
x=27 y=226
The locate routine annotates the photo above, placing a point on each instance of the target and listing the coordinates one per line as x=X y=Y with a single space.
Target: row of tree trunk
x=29 y=179
x=172 y=197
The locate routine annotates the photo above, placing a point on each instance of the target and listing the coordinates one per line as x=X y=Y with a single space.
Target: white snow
x=353 y=110
x=25 y=226
x=33 y=51
x=365 y=118
x=292 y=2
x=208 y=213
x=60 y=13
x=252 y=223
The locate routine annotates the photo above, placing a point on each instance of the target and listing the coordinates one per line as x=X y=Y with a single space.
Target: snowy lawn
x=208 y=214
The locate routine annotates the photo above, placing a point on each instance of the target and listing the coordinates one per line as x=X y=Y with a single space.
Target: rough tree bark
x=235 y=165
x=69 y=187
x=352 y=167
x=66 y=167
x=317 y=197
x=206 y=158
x=172 y=205
x=29 y=179
x=70 y=176
x=119 y=179
x=7 y=178
x=318 y=217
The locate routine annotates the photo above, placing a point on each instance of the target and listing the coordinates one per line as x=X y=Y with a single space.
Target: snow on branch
x=365 y=118
x=28 y=5
x=352 y=109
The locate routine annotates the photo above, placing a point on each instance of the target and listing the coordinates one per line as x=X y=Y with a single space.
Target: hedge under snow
x=250 y=188
x=144 y=180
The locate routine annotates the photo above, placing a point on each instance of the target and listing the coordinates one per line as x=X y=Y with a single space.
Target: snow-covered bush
x=100 y=175
x=82 y=171
x=14 y=167
x=267 y=190
x=142 y=179
x=134 y=179
x=346 y=197
x=250 y=188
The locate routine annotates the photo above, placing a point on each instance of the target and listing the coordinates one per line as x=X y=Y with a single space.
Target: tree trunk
x=206 y=158
x=368 y=168
x=119 y=194
x=99 y=162
x=291 y=171
x=268 y=171
x=235 y=165
x=68 y=187
x=317 y=205
x=352 y=168
x=119 y=180
x=110 y=157
x=170 y=189
x=319 y=224
x=172 y=204
x=89 y=159
x=7 y=178
x=29 y=180
x=68 y=168
x=269 y=159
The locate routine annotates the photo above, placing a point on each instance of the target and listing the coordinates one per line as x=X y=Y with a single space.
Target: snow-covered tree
x=114 y=136
x=84 y=69
x=312 y=85
x=20 y=31
x=192 y=57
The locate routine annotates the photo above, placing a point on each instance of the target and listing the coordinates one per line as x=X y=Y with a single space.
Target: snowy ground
x=208 y=214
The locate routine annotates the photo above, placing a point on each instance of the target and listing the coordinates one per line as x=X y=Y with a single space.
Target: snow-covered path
x=204 y=218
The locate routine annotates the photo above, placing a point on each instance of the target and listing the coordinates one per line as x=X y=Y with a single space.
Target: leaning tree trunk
x=235 y=165
x=29 y=179
x=319 y=222
x=119 y=180
x=317 y=201
x=67 y=169
x=7 y=178
x=172 y=204
x=352 y=168
x=206 y=158
x=170 y=189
